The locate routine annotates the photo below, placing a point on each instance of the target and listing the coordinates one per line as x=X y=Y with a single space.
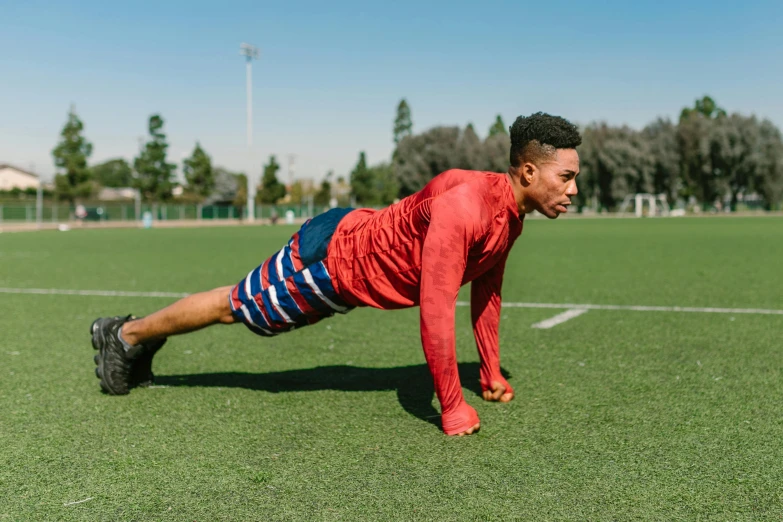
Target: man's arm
x=454 y=226
x=485 y=299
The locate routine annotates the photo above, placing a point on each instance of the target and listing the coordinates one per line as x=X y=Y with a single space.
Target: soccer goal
x=656 y=205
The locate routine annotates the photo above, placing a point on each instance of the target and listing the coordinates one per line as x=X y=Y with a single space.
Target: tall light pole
x=250 y=53
x=38 y=198
x=291 y=160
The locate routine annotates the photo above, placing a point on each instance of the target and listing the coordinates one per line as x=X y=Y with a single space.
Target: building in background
x=13 y=177
x=117 y=194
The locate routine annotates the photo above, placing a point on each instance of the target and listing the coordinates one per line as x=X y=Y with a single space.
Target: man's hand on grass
x=499 y=392
x=461 y=420
x=470 y=431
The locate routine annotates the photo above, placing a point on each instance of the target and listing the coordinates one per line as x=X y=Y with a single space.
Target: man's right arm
x=454 y=226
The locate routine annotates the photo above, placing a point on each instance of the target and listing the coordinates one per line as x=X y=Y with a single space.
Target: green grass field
x=619 y=414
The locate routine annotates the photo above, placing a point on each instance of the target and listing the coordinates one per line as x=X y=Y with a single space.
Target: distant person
x=458 y=229
x=80 y=212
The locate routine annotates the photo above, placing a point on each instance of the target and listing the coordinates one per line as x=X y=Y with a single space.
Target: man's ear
x=527 y=172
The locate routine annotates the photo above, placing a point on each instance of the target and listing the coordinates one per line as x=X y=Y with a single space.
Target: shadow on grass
x=413 y=383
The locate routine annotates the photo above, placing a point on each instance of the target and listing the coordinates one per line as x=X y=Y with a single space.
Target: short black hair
x=537 y=136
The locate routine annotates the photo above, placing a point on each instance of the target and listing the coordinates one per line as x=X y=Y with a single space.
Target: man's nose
x=571 y=189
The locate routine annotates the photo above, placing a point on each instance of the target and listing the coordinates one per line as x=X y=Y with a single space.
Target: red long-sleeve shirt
x=458 y=229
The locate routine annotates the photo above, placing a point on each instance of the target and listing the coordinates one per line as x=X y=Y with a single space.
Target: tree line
x=706 y=156
x=154 y=176
x=150 y=172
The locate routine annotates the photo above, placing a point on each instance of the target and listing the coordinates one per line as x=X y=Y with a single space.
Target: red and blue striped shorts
x=293 y=288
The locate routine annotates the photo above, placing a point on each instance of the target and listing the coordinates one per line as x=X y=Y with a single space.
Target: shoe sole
x=95 y=331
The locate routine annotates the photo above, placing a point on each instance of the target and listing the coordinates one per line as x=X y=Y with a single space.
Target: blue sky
x=331 y=73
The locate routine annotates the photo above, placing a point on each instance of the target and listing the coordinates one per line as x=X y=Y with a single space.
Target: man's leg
x=126 y=345
x=186 y=315
x=287 y=291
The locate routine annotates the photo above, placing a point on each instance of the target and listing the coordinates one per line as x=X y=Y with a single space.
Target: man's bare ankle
x=128 y=333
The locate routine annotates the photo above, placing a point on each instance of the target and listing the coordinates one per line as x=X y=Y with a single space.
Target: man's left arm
x=485 y=299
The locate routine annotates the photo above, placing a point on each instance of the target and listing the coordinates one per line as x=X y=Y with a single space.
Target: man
x=458 y=229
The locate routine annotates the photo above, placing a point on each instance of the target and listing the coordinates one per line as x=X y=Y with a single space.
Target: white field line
x=638 y=308
x=98 y=293
x=560 y=318
x=78 y=502
x=562 y=306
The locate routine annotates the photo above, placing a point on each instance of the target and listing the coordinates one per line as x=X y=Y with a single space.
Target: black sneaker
x=121 y=369
x=141 y=374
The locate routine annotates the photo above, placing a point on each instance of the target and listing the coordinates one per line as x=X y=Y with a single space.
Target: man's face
x=553 y=183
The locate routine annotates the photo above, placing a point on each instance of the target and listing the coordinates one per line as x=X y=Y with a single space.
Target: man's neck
x=519 y=194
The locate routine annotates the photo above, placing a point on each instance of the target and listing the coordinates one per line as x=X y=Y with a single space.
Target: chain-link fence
x=17 y=212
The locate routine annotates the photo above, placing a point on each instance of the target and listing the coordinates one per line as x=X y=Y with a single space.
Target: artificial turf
x=618 y=414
